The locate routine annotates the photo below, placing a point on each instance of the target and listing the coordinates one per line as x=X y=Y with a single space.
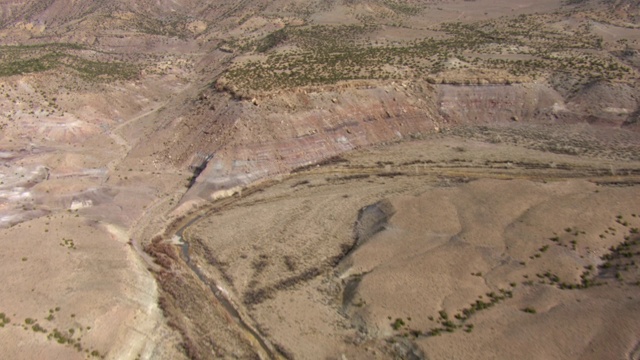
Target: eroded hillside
x=121 y=121
x=409 y=250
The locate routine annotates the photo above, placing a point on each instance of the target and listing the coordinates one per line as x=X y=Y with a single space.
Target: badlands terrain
x=303 y=179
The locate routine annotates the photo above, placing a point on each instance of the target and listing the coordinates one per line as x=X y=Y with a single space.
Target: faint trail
x=119 y=139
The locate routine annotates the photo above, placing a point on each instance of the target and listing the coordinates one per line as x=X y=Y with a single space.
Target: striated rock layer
x=360 y=118
x=237 y=142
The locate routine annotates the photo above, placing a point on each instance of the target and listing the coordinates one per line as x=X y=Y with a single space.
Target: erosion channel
x=278 y=271
x=263 y=346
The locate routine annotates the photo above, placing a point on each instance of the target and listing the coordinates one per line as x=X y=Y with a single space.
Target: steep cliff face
x=233 y=143
x=276 y=135
x=605 y=103
x=244 y=141
x=496 y=103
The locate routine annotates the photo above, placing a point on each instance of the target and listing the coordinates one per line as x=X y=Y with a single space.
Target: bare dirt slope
x=413 y=249
x=119 y=119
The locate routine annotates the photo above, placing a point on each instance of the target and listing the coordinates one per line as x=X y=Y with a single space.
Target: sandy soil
x=453 y=221
x=514 y=197
x=75 y=287
x=80 y=277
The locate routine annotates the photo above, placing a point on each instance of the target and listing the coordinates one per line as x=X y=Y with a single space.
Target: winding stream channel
x=264 y=347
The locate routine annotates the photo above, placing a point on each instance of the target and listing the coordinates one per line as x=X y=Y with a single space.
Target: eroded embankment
x=210 y=333
x=244 y=142
x=258 y=341
x=196 y=303
x=275 y=248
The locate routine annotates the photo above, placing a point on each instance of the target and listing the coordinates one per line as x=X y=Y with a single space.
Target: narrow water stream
x=226 y=303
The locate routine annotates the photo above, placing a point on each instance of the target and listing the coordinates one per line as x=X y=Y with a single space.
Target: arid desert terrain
x=302 y=179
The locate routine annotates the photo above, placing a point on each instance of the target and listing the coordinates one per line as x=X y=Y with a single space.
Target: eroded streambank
x=281 y=256
x=263 y=347
x=196 y=303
